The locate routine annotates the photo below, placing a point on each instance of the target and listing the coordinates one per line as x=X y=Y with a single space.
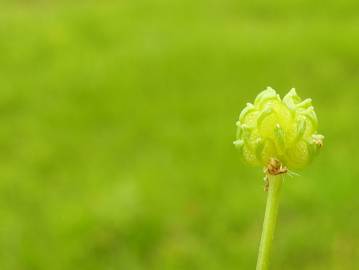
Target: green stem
x=270 y=220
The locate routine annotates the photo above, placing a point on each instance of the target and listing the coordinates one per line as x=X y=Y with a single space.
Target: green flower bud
x=284 y=130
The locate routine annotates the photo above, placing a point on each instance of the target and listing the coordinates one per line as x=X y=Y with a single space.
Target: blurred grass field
x=117 y=121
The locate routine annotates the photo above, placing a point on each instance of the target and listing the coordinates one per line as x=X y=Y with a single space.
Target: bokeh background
x=117 y=121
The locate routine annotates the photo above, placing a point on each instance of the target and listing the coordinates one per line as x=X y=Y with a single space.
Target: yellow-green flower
x=285 y=130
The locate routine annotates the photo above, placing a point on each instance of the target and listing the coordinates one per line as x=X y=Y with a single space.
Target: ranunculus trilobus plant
x=278 y=135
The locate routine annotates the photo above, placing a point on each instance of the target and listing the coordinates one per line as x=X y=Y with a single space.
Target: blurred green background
x=117 y=121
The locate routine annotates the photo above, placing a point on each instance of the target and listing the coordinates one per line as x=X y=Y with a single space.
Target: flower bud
x=272 y=128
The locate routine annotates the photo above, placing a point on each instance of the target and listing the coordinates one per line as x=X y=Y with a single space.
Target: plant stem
x=270 y=220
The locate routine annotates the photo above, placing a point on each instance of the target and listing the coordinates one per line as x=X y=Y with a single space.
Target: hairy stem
x=270 y=220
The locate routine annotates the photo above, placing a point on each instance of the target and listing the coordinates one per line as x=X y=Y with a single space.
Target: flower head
x=282 y=129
